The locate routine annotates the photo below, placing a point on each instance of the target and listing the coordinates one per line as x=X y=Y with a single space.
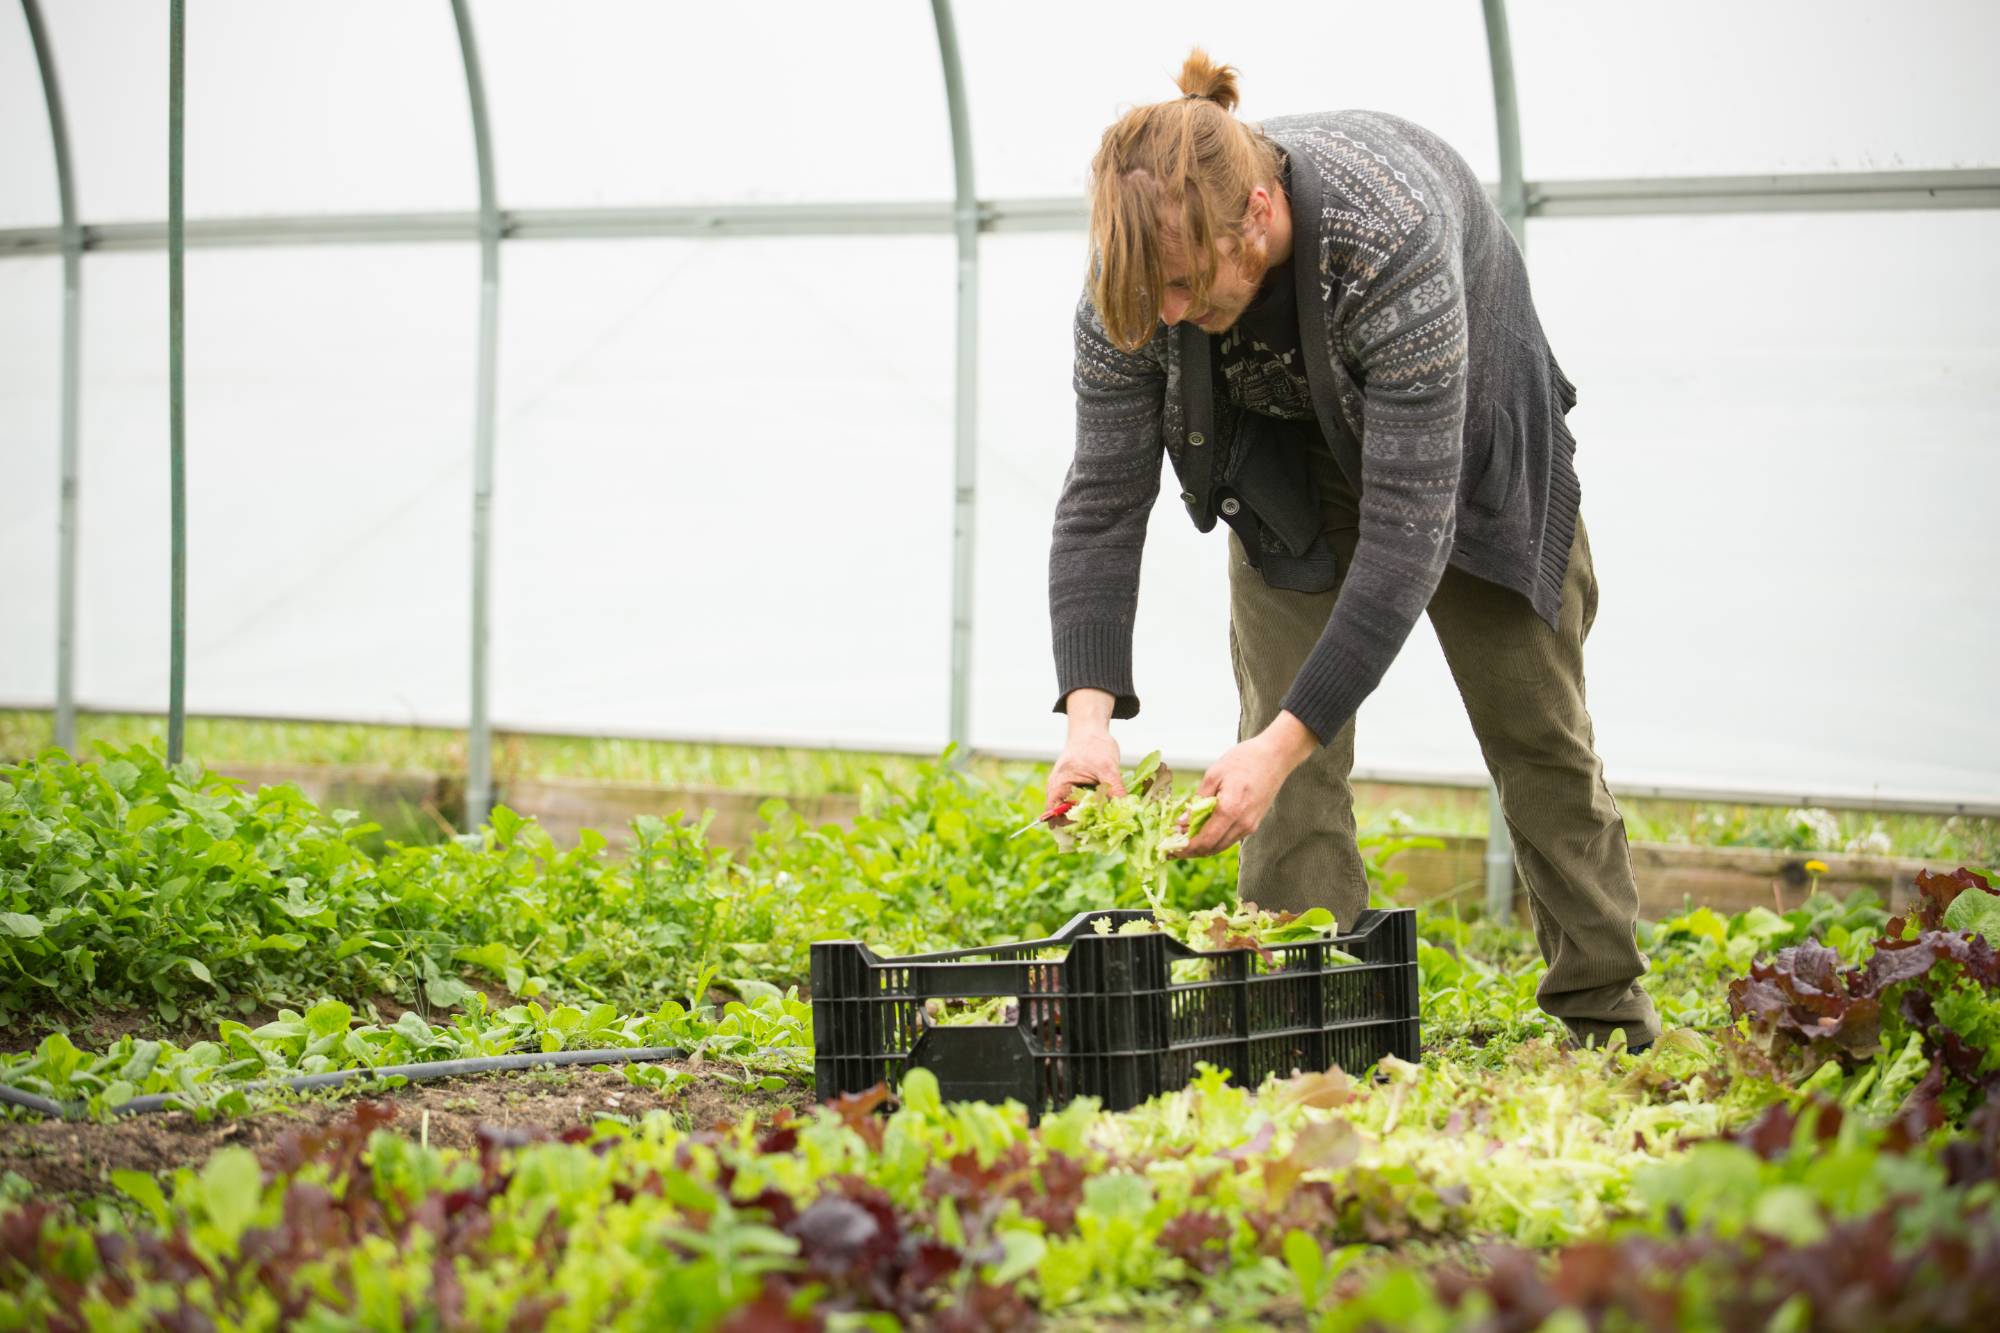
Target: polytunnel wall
x=724 y=440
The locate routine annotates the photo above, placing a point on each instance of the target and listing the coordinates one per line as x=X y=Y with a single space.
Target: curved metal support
x=965 y=467
x=1507 y=117
x=1514 y=209
x=479 y=740
x=72 y=345
x=177 y=375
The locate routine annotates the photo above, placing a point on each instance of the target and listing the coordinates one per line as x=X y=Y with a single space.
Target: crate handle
x=970 y=981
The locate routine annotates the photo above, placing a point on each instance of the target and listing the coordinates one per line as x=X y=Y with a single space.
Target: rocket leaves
x=127 y=884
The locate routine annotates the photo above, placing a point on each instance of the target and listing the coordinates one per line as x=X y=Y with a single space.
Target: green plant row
x=800 y=772
x=128 y=884
x=1478 y=980
x=777 y=770
x=1478 y=1001
x=131 y=883
x=1801 y=1221
x=1828 y=1090
x=1092 y=1213
x=1212 y=1205
x=772 y=1036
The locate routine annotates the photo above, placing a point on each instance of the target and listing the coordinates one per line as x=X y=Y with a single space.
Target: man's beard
x=1255 y=263
x=1252 y=262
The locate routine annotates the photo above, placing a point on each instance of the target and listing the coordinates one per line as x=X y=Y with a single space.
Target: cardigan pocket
x=1495 y=490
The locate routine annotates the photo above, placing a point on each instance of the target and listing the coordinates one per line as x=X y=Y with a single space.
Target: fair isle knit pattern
x=1393 y=304
x=1410 y=292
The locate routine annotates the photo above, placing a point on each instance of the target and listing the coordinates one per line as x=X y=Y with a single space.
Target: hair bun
x=1202 y=77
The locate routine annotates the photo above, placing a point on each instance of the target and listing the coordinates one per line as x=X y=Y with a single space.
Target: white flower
x=1875 y=842
x=1816 y=827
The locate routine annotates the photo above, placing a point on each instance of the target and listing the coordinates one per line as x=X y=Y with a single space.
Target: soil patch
x=64 y=1157
x=92 y=1033
x=95 y=1032
x=388 y=1008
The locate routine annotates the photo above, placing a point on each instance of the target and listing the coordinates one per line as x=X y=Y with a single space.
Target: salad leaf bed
x=1814 y=1143
x=127 y=885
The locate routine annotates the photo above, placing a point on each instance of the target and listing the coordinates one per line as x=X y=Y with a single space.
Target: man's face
x=1244 y=264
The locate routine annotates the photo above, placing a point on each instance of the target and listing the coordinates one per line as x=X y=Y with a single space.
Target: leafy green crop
x=131 y=883
x=1912 y=1027
x=773 y=1035
x=1146 y=826
x=961 y=1214
x=1230 y=927
x=1797 y=1221
x=1222 y=929
x=127 y=884
x=1209 y=931
x=1976 y=913
x=1319 y=1195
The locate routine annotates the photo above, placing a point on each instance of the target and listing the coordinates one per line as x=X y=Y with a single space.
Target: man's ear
x=1262 y=205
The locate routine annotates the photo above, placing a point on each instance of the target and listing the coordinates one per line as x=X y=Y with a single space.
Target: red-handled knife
x=1056 y=811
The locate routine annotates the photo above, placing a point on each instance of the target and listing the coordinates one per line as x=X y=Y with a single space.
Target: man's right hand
x=1090 y=756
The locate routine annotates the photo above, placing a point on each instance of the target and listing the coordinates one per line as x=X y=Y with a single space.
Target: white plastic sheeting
x=724 y=466
x=635 y=102
x=1717 y=87
x=1046 y=77
x=30 y=387
x=724 y=490
x=291 y=107
x=27 y=154
x=328 y=470
x=1787 y=431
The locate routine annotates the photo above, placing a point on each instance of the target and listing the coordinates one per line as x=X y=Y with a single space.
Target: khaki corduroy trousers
x=1523 y=690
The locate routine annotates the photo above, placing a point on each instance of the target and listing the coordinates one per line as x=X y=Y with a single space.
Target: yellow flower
x=1815 y=867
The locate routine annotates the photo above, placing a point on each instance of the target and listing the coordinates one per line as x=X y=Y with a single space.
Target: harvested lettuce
x=1146 y=825
x=1003 y=1010
x=1242 y=926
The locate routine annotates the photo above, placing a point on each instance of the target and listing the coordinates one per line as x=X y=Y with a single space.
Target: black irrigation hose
x=10 y=1096
x=418 y=1073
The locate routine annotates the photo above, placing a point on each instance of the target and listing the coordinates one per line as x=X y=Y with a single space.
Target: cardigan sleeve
x=1100 y=523
x=1406 y=331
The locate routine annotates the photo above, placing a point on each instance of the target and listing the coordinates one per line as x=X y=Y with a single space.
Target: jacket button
x=1230 y=506
x=1187 y=497
x=1196 y=438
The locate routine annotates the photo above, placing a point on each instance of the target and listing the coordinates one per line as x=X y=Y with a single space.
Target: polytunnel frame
x=72 y=257
x=966 y=217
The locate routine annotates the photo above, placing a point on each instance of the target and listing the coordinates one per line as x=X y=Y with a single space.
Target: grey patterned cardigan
x=1430 y=378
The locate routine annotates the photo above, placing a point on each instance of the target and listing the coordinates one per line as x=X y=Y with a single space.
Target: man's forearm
x=1291 y=740
x=1089 y=712
x=1095 y=550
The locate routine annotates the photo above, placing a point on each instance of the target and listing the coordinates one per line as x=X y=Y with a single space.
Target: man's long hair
x=1182 y=169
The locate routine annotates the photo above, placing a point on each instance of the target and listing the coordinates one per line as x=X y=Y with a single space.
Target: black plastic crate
x=1107 y=1019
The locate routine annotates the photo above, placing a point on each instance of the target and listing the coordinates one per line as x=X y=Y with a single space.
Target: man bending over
x=1325 y=324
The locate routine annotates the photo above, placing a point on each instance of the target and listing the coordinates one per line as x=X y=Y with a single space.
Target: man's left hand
x=1245 y=782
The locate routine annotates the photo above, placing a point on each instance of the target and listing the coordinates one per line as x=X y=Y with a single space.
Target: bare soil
x=94 y=1032
x=77 y=1157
